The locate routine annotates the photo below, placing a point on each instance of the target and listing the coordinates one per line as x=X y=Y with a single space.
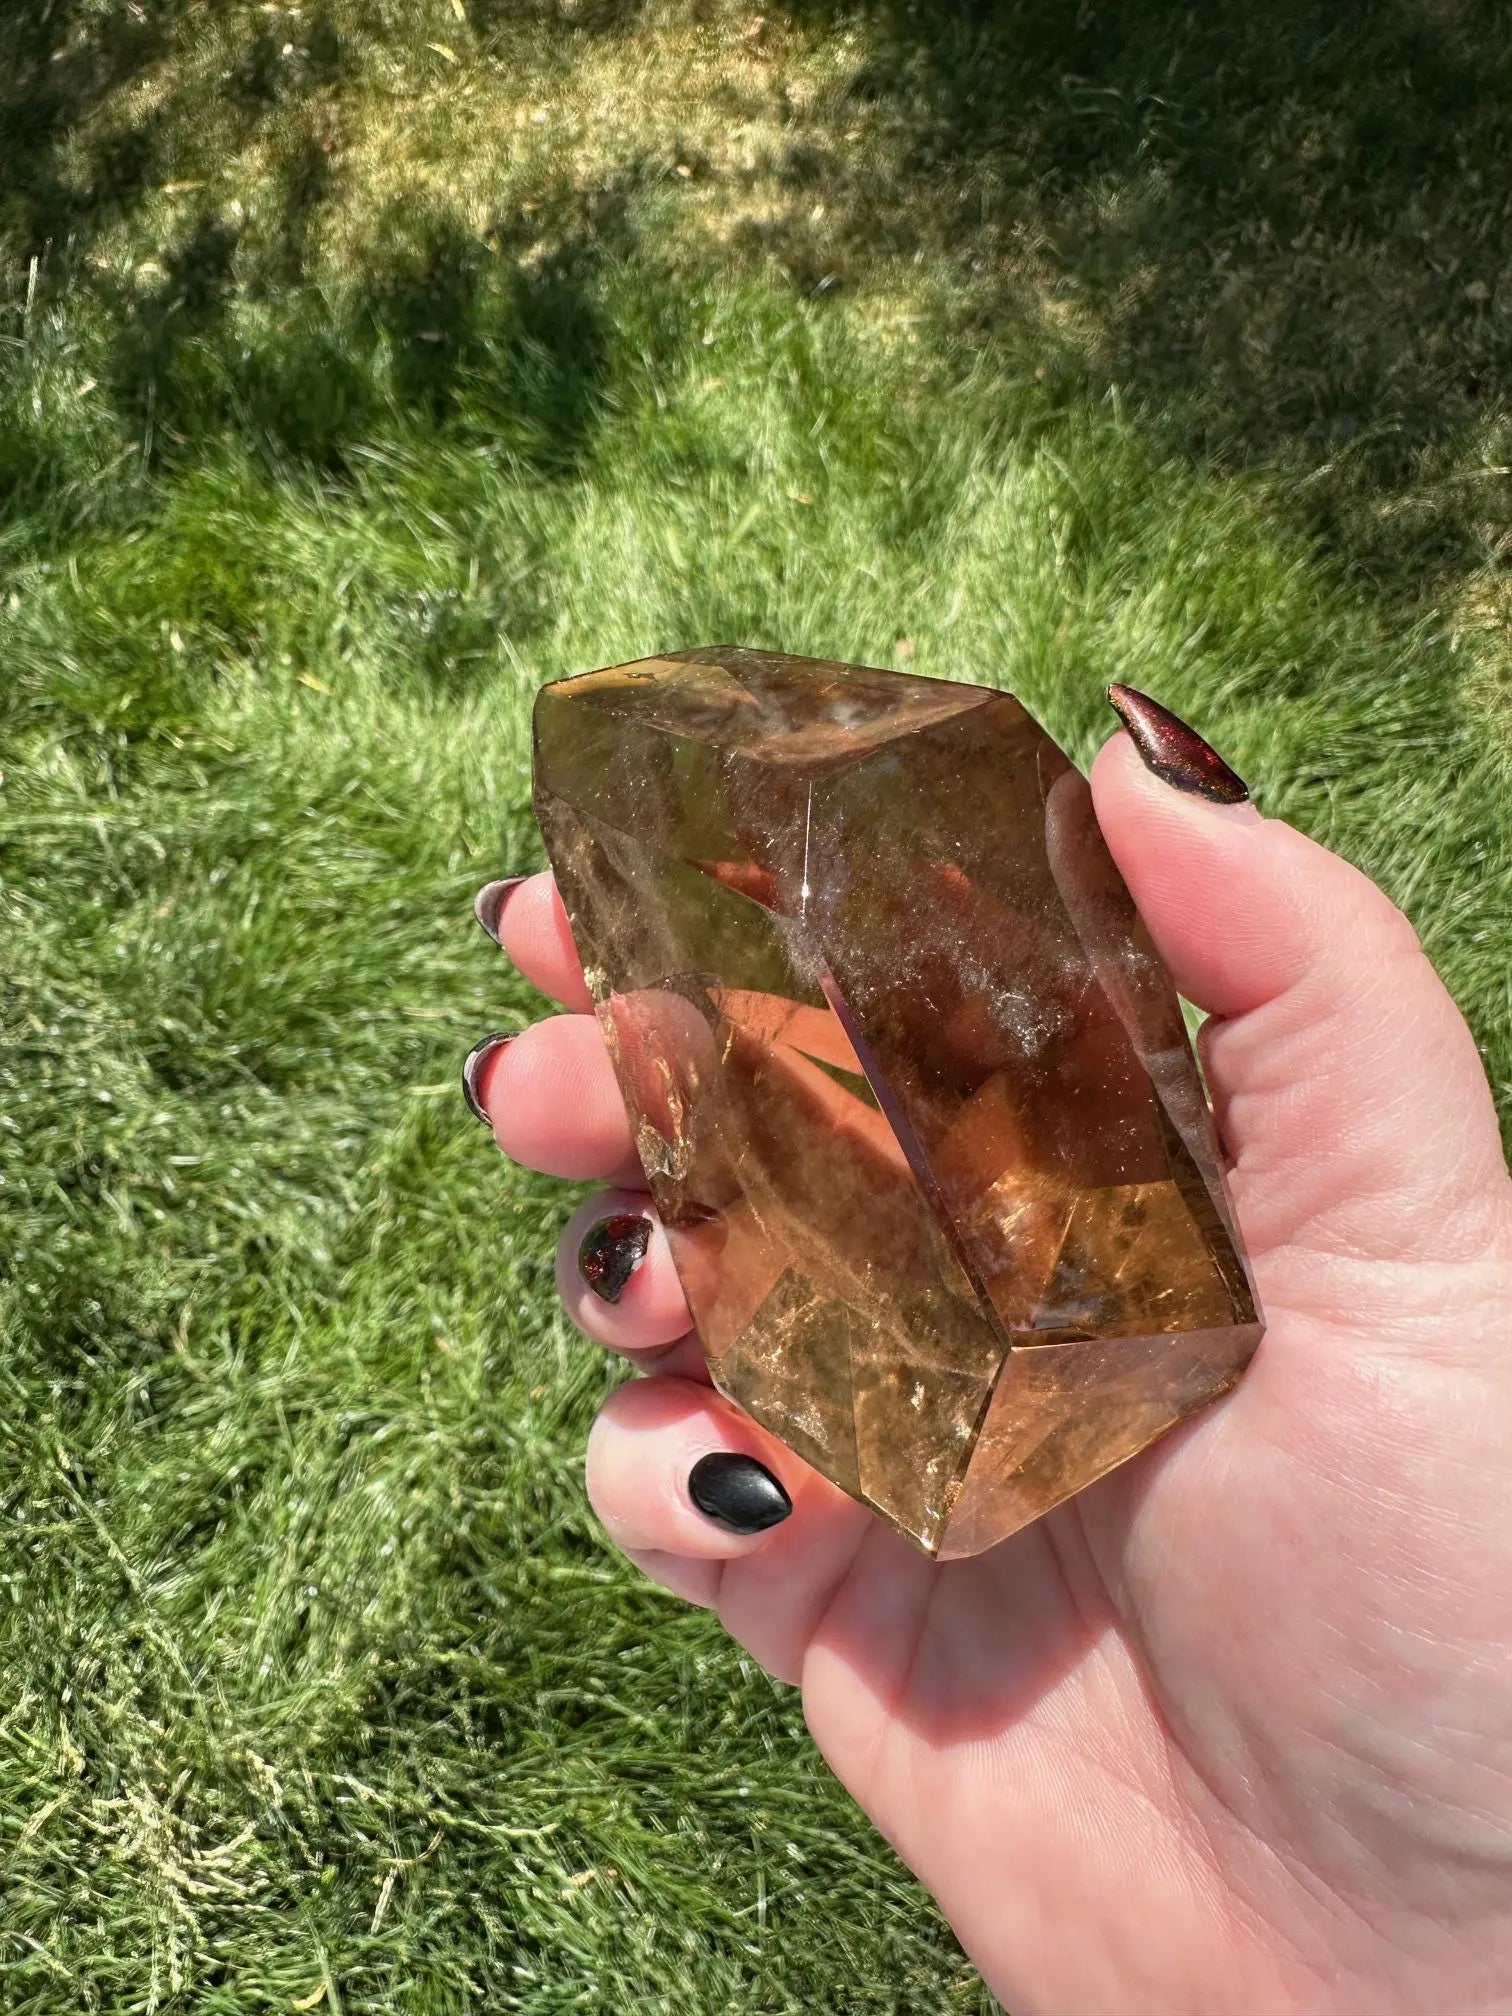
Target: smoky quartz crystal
x=910 y=1084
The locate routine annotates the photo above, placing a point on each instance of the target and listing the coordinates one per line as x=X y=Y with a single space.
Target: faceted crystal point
x=910 y=1084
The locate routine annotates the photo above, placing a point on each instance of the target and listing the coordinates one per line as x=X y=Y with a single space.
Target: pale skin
x=1229 y=1734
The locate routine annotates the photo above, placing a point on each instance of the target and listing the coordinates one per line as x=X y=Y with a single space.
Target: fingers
x=695 y=1581
x=642 y=1451
x=615 y=1274
x=553 y=1102
x=551 y=1099
x=531 y=925
x=550 y=1093
x=1347 y=1085
x=776 y=1582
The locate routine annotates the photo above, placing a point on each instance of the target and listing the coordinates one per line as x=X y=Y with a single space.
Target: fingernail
x=738 y=1493
x=612 y=1250
x=473 y=1065
x=1177 y=754
x=488 y=904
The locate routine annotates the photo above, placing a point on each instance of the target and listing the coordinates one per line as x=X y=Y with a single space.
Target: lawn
x=364 y=363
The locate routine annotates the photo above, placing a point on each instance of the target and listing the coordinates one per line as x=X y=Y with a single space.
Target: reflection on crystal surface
x=1065 y=1413
x=909 y=1082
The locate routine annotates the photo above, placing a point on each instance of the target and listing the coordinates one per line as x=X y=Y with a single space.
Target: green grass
x=360 y=367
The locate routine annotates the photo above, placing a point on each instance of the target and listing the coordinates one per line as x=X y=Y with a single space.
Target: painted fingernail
x=738 y=1493
x=1177 y=754
x=612 y=1250
x=473 y=1067
x=488 y=904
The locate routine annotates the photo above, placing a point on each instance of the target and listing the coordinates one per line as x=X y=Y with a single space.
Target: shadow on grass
x=212 y=76
x=441 y=335
x=504 y=18
x=521 y=347
x=1281 y=232
x=58 y=64
x=61 y=60
x=439 y=330
x=1285 y=226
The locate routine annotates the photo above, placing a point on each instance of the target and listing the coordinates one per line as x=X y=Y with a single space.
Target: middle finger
x=552 y=1100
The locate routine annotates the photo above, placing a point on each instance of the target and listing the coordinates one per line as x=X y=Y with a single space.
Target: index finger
x=531 y=924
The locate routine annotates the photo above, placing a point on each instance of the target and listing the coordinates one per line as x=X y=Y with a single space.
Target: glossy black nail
x=472 y=1074
x=1176 y=753
x=611 y=1251
x=488 y=904
x=738 y=1493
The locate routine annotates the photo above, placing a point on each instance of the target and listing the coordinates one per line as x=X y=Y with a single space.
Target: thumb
x=1345 y=1082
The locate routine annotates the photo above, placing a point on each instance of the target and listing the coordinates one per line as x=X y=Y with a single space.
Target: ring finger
x=615 y=1274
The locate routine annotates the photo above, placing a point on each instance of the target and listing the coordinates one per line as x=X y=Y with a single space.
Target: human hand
x=1231 y=1731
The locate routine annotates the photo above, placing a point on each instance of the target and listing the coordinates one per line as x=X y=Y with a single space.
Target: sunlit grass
x=314 y=461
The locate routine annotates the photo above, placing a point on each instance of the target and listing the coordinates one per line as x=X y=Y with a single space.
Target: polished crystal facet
x=910 y=1084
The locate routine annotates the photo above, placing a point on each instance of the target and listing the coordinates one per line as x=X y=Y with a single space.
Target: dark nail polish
x=612 y=1250
x=472 y=1074
x=488 y=904
x=738 y=1493
x=1176 y=753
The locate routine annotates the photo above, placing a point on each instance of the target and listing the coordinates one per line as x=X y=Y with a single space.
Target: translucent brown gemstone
x=910 y=1084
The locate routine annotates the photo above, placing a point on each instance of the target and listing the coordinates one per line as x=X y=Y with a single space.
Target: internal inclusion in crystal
x=910 y=1085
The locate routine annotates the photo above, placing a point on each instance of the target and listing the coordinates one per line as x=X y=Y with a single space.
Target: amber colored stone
x=910 y=1084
